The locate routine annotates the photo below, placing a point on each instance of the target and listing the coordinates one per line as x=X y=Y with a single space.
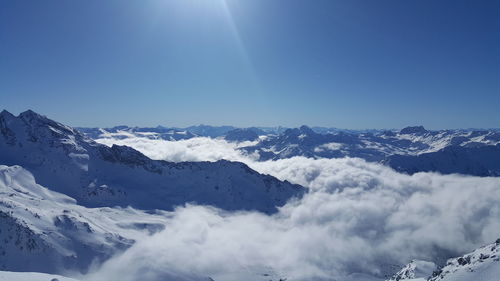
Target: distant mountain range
x=410 y=150
x=175 y=133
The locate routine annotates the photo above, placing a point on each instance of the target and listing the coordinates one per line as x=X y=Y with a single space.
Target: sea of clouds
x=359 y=221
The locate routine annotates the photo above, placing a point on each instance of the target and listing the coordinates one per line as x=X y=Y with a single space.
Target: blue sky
x=349 y=64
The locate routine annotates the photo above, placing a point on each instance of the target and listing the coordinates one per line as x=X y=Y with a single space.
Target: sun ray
x=228 y=15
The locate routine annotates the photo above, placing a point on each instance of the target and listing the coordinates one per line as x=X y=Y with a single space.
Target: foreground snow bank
x=31 y=276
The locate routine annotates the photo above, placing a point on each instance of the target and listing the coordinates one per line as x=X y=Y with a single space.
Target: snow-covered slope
x=45 y=231
x=96 y=175
x=482 y=264
x=31 y=276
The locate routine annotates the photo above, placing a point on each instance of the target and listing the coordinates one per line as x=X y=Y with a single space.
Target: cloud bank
x=359 y=221
x=194 y=149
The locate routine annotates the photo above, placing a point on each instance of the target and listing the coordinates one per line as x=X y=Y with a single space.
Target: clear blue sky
x=348 y=64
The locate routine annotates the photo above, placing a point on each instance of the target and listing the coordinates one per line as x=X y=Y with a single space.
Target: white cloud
x=194 y=149
x=358 y=217
x=329 y=146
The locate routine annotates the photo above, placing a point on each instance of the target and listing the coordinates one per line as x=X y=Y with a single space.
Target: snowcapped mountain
x=483 y=264
x=416 y=270
x=304 y=141
x=95 y=175
x=412 y=149
x=481 y=160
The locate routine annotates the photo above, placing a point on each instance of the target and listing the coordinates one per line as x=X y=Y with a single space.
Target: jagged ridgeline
x=481 y=264
x=64 y=160
x=409 y=150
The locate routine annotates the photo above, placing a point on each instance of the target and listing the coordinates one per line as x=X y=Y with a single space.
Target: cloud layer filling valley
x=358 y=218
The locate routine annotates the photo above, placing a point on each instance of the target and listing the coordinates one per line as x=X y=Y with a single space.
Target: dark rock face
x=240 y=135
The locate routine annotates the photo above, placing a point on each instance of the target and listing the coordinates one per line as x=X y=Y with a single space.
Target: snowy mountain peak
x=415 y=269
